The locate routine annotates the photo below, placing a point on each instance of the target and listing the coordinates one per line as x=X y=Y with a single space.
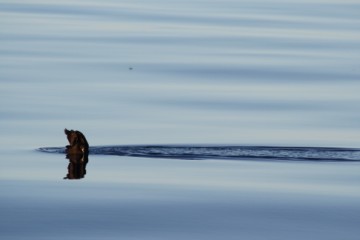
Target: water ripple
x=198 y=152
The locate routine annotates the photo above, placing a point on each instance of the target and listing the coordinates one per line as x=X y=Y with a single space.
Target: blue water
x=220 y=73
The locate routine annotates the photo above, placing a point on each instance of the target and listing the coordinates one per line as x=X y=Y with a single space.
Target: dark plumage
x=77 y=142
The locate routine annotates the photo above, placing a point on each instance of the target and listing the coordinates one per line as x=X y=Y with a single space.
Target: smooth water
x=219 y=73
x=244 y=72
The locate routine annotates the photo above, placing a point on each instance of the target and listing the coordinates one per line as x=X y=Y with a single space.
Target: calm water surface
x=237 y=72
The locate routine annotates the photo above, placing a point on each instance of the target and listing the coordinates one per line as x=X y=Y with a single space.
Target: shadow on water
x=77 y=166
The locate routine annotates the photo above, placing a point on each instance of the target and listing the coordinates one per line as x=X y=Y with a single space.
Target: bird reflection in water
x=77 y=166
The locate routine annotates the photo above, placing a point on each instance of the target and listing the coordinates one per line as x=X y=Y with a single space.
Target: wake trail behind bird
x=202 y=152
